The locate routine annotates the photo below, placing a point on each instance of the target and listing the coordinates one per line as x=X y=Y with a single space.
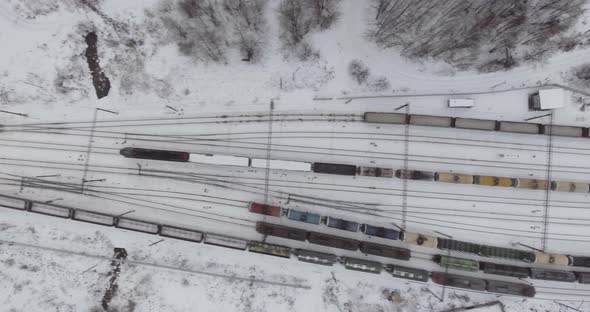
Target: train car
x=520 y=127
x=281 y=231
x=14 y=203
x=419 y=239
x=506 y=253
x=407 y=273
x=377 y=172
x=509 y=288
x=281 y=164
x=93 y=217
x=339 y=169
x=457 y=263
x=265 y=209
x=333 y=241
x=363 y=265
x=532 y=184
x=475 y=124
x=415 y=175
x=315 y=257
x=579 y=261
x=51 y=210
x=553 y=275
x=380 y=232
x=137 y=225
x=385 y=251
x=304 y=216
x=269 y=249
x=453 y=178
x=494 y=181
x=544 y=258
x=572 y=187
x=226 y=241
x=431 y=121
x=583 y=277
x=219 y=160
x=387 y=118
x=459 y=281
x=567 y=131
x=154 y=154
x=342 y=224
x=505 y=270
x=459 y=246
x=181 y=233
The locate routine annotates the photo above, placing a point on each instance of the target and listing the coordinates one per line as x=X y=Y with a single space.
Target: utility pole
x=548 y=186
x=405 y=164
x=268 y=152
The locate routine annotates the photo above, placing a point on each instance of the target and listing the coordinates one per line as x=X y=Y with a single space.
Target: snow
x=552 y=99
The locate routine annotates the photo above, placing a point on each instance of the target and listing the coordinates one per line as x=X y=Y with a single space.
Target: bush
x=359 y=71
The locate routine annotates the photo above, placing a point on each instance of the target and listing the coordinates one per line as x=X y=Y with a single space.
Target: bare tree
x=247 y=18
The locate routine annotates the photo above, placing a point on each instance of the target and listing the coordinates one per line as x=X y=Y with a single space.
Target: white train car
x=281 y=164
x=52 y=210
x=226 y=241
x=520 y=127
x=475 y=124
x=431 y=121
x=180 y=233
x=388 y=118
x=13 y=202
x=137 y=225
x=220 y=160
x=94 y=217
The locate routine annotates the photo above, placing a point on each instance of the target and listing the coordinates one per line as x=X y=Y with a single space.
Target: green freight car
x=485 y=250
x=457 y=263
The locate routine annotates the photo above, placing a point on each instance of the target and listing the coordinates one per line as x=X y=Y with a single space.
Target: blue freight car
x=304 y=216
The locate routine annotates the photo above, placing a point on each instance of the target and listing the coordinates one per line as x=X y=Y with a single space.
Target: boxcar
x=154 y=154
x=265 y=209
x=269 y=249
x=553 y=275
x=506 y=253
x=520 y=127
x=220 y=160
x=380 y=232
x=509 y=288
x=532 y=184
x=476 y=124
x=339 y=169
x=137 y=225
x=583 y=277
x=363 y=265
x=459 y=281
x=225 y=241
x=453 y=178
x=375 y=172
x=544 y=258
x=431 y=121
x=385 y=251
x=576 y=187
x=94 y=217
x=342 y=224
x=315 y=257
x=407 y=273
x=333 y=241
x=304 y=216
x=419 y=239
x=494 y=181
x=281 y=231
x=568 y=131
x=388 y=118
x=52 y=210
x=13 y=202
x=457 y=263
x=181 y=233
x=415 y=175
x=579 y=261
x=506 y=270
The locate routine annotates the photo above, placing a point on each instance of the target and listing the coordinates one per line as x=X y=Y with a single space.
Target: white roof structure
x=551 y=98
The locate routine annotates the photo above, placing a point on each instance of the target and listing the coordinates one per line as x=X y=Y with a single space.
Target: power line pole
x=405 y=164
x=268 y=151
x=548 y=186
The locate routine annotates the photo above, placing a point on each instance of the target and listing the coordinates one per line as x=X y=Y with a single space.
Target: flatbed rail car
x=380 y=231
x=304 y=216
x=269 y=249
x=315 y=257
x=342 y=224
x=459 y=281
x=363 y=265
x=281 y=231
x=457 y=263
x=265 y=209
x=154 y=154
x=385 y=251
x=407 y=273
x=338 y=169
x=333 y=241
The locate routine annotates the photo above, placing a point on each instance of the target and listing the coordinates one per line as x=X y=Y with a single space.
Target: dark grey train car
x=339 y=169
x=567 y=131
x=385 y=251
x=459 y=281
x=333 y=241
x=137 y=225
x=388 y=118
x=380 y=232
x=315 y=257
x=281 y=231
x=506 y=270
x=459 y=246
x=509 y=288
x=93 y=217
x=363 y=265
x=583 y=277
x=14 y=203
x=520 y=127
x=553 y=275
x=342 y=224
x=475 y=124
x=415 y=175
x=154 y=154
x=431 y=121
x=580 y=261
x=407 y=273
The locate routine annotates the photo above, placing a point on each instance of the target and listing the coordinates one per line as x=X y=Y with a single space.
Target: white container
x=461 y=102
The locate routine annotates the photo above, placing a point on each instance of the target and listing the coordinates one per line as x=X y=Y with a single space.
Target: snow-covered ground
x=179 y=103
